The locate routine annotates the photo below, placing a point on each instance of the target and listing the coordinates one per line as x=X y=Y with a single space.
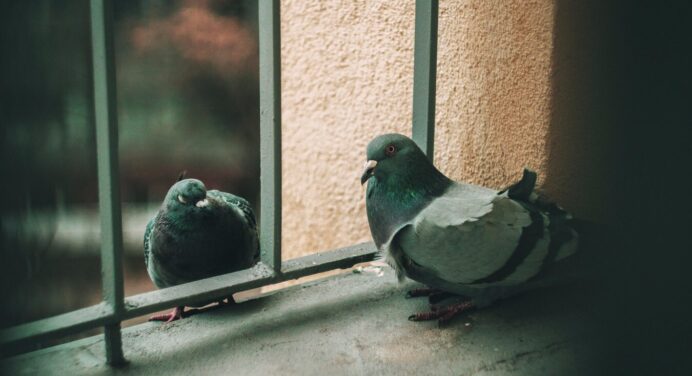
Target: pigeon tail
x=522 y=190
x=560 y=226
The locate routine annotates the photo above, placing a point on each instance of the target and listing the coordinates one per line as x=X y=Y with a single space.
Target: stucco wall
x=493 y=90
x=347 y=76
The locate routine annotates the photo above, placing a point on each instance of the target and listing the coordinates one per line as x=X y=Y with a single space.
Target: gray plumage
x=456 y=237
x=198 y=234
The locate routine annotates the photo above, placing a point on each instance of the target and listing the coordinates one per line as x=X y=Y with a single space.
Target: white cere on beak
x=367 y=171
x=181 y=199
x=369 y=165
x=202 y=203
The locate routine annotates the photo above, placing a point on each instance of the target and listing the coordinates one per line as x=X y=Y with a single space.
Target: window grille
x=115 y=307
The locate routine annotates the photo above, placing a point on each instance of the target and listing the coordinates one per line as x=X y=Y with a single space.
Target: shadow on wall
x=619 y=143
x=580 y=153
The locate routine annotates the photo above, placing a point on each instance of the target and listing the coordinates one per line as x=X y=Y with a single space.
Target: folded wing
x=473 y=235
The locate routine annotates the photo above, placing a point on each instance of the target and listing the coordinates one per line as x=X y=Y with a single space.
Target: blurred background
x=187 y=82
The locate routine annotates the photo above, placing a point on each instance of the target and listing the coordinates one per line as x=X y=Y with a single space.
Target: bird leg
x=424 y=291
x=224 y=301
x=175 y=314
x=179 y=312
x=443 y=314
x=434 y=295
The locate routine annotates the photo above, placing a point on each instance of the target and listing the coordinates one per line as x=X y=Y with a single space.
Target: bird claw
x=423 y=316
x=174 y=315
x=442 y=314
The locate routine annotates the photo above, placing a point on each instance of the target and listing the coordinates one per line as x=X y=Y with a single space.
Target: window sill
x=354 y=323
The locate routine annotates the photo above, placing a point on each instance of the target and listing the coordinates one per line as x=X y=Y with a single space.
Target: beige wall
x=347 y=71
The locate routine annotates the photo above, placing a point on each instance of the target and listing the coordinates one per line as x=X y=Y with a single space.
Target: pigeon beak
x=202 y=203
x=368 y=171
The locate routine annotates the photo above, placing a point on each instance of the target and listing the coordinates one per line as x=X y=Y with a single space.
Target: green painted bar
x=114 y=344
x=202 y=290
x=225 y=285
x=115 y=308
x=16 y=339
x=323 y=261
x=270 y=132
x=108 y=175
x=424 y=75
x=209 y=289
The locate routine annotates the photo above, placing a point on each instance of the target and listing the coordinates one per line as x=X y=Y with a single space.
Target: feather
x=198 y=234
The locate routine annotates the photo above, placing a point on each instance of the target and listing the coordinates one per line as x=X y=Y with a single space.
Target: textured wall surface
x=347 y=77
x=493 y=89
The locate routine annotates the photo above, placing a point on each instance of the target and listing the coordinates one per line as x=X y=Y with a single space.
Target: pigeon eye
x=181 y=199
x=390 y=150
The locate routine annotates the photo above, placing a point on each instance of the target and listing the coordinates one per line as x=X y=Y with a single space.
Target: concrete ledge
x=348 y=324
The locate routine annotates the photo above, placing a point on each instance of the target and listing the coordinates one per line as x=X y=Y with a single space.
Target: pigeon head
x=390 y=154
x=401 y=181
x=187 y=194
x=396 y=158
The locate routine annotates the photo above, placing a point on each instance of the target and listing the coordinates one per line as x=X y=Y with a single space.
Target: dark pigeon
x=198 y=234
x=460 y=239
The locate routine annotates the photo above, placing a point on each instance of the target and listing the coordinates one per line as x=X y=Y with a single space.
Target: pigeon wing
x=472 y=235
x=241 y=206
x=147 y=240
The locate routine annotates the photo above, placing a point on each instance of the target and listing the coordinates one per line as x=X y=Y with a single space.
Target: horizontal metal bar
x=208 y=289
x=198 y=291
x=324 y=261
x=56 y=326
x=226 y=285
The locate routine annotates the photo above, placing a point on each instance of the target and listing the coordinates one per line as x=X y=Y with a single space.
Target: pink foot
x=175 y=314
x=443 y=314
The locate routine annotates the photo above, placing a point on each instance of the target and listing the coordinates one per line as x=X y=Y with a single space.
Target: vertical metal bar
x=424 y=75
x=270 y=132
x=108 y=175
x=114 y=345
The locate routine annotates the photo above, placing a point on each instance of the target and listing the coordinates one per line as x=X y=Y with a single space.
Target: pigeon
x=198 y=234
x=461 y=240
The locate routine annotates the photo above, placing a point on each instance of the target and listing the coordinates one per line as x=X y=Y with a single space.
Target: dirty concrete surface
x=351 y=324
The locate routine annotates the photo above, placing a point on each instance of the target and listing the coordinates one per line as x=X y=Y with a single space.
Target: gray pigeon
x=459 y=239
x=198 y=234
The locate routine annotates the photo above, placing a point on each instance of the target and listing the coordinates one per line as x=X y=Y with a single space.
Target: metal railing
x=115 y=307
